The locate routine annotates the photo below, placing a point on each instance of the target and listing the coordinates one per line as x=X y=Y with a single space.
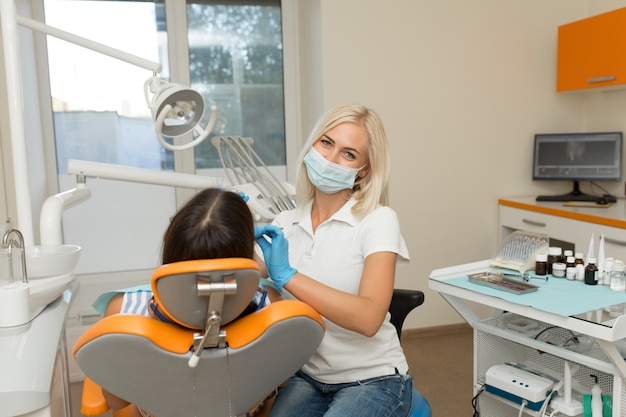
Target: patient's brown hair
x=212 y=224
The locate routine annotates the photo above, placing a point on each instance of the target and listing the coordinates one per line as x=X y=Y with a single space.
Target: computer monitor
x=577 y=157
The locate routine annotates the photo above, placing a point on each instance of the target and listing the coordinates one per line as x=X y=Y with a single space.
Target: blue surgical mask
x=327 y=176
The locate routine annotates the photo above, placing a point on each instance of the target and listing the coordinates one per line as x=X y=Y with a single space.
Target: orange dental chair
x=206 y=363
x=203 y=363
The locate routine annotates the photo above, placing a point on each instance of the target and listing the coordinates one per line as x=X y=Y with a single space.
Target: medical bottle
x=580 y=266
x=558 y=270
x=541 y=264
x=567 y=253
x=591 y=272
x=570 y=268
x=554 y=255
x=618 y=279
x=608 y=267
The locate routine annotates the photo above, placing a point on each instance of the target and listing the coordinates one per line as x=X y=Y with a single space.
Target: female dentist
x=337 y=251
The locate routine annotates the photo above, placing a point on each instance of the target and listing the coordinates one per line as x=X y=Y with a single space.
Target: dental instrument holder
x=518 y=250
x=563 y=402
x=247 y=173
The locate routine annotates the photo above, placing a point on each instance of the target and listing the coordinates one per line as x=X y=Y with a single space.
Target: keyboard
x=577 y=197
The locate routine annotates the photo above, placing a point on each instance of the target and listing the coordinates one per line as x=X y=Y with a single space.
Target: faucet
x=19 y=243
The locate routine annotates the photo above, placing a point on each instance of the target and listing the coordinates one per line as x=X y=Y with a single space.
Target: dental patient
x=213 y=224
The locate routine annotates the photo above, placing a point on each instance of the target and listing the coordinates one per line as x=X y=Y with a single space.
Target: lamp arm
x=89 y=44
x=152 y=85
x=203 y=133
x=143 y=175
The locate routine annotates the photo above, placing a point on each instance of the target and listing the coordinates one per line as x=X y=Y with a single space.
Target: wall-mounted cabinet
x=592 y=52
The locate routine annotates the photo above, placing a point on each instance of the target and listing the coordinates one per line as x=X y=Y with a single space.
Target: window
x=235 y=61
x=91 y=90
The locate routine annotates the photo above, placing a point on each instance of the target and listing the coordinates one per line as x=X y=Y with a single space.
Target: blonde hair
x=368 y=191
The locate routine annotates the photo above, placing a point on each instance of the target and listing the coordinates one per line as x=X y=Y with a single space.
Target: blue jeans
x=384 y=396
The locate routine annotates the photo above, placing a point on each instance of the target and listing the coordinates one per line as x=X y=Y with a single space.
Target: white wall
x=462 y=87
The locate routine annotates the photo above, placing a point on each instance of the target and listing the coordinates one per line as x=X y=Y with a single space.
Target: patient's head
x=213 y=224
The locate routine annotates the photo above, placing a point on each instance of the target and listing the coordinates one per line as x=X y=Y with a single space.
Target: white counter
x=27 y=359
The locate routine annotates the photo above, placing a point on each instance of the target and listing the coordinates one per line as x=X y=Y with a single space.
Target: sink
x=51 y=260
x=50 y=271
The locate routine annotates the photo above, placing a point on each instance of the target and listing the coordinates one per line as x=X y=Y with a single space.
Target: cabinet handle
x=615 y=241
x=534 y=222
x=602 y=79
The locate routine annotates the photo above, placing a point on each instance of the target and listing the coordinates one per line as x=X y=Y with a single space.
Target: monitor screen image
x=577 y=157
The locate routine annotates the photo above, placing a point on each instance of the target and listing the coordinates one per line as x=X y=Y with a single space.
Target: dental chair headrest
x=184 y=291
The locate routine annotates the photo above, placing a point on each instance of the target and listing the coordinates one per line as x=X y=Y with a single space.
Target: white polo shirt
x=335 y=256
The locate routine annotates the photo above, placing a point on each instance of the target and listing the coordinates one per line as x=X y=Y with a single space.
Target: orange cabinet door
x=592 y=52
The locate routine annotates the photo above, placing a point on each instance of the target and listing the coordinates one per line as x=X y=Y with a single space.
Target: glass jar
x=10 y=265
x=618 y=279
x=608 y=267
x=558 y=270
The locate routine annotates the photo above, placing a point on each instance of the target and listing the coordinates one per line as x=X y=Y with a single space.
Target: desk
x=495 y=342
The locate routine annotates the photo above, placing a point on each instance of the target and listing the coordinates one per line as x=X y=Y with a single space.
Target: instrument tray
x=499 y=282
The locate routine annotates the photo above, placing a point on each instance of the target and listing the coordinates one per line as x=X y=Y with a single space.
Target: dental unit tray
x=517 y=251
x=501 y=282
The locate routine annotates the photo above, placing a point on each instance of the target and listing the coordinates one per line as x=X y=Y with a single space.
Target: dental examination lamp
x=176 y=109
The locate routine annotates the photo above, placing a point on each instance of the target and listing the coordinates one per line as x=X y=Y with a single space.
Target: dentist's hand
x=241 y=194
x=244 y=196
x=276 y=254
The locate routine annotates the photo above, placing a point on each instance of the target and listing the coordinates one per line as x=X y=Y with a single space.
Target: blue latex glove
x=244 y=196
x=241 y=194
x=276 y=254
